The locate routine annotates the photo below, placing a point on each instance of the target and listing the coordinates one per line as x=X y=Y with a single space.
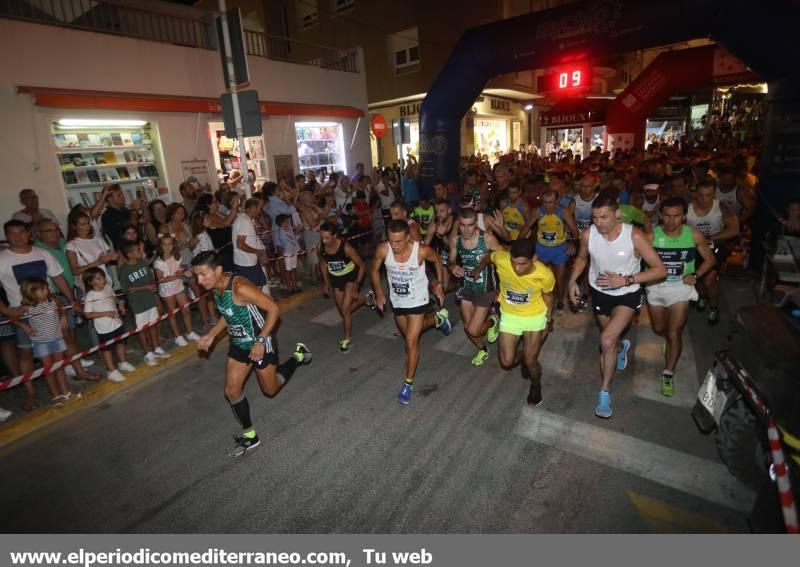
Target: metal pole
x=226 y=37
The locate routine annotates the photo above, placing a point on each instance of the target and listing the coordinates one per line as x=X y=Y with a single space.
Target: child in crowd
x=200 y=223
x=101 y=308
x=139 y=283
x=287 y=245
x=44 y=325
x=170 y=287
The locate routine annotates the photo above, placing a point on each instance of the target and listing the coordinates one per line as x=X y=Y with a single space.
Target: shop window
x=320 y=146
x=491 y=138
x=307 y=14
x=227 y=156
x=342 y=6
x=404 y=48
x=96 y=152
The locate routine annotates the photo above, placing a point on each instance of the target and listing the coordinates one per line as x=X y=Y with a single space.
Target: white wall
x=70 y=59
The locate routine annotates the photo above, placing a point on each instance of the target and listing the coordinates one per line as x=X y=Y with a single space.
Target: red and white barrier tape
x=11 y=382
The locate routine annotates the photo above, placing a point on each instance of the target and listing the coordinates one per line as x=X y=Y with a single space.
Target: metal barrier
x=106 y=16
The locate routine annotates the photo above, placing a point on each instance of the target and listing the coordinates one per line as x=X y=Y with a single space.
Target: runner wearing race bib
x=408 y=292
x=423 y=214
x=526 y=305
x=677 y=244
x=438 y=236
x=516 y=213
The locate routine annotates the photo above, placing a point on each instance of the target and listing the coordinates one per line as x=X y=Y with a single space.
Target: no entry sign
x=379 y=126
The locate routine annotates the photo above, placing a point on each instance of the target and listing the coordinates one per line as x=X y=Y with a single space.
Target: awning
x=99 y=100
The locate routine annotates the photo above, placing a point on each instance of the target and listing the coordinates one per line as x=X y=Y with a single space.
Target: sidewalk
x=22 y=423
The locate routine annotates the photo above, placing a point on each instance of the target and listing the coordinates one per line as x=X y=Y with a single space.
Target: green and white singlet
x=470 y=258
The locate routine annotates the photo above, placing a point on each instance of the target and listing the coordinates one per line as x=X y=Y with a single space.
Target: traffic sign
x=379 y=126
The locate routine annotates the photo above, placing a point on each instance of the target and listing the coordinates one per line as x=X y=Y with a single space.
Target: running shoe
x=151 y=359
x=535 y=396
x=302 y=354
x=480 y=357
x=404 y=397
x=87 y=362
x=369 y=300
x=244 y=444
x=622 y=356
x=69 y=371
x=160 y=353
x=701 y=304
x=193 y=336
x=494 y=329
x=713 y=315
x=443 y=322
x=4 y=414
x=116 y=376
x=667 y=388
x=603 y=408
x=344 y=346
x=180 y=341
x=126 y=366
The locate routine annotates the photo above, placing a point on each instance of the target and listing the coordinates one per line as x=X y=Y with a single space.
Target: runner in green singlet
x=250 y=317
x=469 y=259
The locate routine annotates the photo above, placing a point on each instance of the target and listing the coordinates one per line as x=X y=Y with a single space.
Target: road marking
x=385 y=328
x=650 y=363
x=455 y=343
x=329 y=317
x=664 y=518
x=681 y=471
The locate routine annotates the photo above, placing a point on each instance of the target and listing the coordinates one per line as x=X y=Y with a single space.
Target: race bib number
x=401 y=289
x=674 y=271
x=335 y=266
x=237 y=332
x=583 y=225
x=549 y=236
x=516 y=298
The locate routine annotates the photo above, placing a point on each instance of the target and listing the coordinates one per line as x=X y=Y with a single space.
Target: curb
x=47 y=416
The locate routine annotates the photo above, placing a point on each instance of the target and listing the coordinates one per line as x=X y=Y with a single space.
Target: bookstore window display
x=320 y=146
x=491 y=137
x=226 y=153
x=94 y=153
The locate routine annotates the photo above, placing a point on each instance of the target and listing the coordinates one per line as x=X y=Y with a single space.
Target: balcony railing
x=105 y=16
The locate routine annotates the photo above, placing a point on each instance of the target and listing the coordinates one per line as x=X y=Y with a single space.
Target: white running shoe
x=180 y=341
x=69 y=371
x=4 y=414
x=126 y=366
x=160 y=353
x=193 y=336
x=116 y=376
x=87 y=362
x=150 y=359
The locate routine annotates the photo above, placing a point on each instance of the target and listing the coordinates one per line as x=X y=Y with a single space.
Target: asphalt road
x=340 y=455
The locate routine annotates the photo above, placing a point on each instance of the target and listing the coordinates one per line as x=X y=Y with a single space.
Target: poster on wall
x=197 y=169
x=284 y=168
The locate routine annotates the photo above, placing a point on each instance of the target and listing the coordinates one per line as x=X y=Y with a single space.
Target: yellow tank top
x=551 y=229
x=522 y=295
x=513 y=219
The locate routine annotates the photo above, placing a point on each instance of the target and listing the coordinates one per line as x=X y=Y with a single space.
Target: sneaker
x=603 y=408
x=404 y=397
x=180 y=341
x=701 y=304
x=87 y=362
x=344 y=346
x=150 y=359
x=480 y=357
x=160 y=353
x=667 y=388
x=622 y=356
x=193 y=336
x=535 y=396
x=302 y=354
x=4 y=414
x=369 y=300
x=126 y=366
x=443 y=322
x=494 y=329
x=244 y=444
x=713 y=315
x=69 y=371
x=116 y=376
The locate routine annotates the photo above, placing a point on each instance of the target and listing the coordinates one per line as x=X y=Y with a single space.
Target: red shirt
x=362 y=213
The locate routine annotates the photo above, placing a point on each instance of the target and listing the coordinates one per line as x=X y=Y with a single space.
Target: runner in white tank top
x=614 y=251
x=408 y=291
x=709 y=223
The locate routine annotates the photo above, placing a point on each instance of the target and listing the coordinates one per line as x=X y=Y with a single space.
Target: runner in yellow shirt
x=526 y=305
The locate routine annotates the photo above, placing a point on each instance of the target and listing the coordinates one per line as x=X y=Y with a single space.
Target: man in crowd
x=22 y=261
x=117 y=215
x=31 y=213
x=614 y=251
x=248 y=248
x=189 y=194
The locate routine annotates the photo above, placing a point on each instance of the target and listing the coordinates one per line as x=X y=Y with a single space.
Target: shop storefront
x=227 y=155
x=320 y=147
x=667 y=125
x=493 y=126
x=568 y=128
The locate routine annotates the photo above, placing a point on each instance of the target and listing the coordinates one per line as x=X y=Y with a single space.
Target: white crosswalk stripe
x=693 y=475
x=329 y=317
